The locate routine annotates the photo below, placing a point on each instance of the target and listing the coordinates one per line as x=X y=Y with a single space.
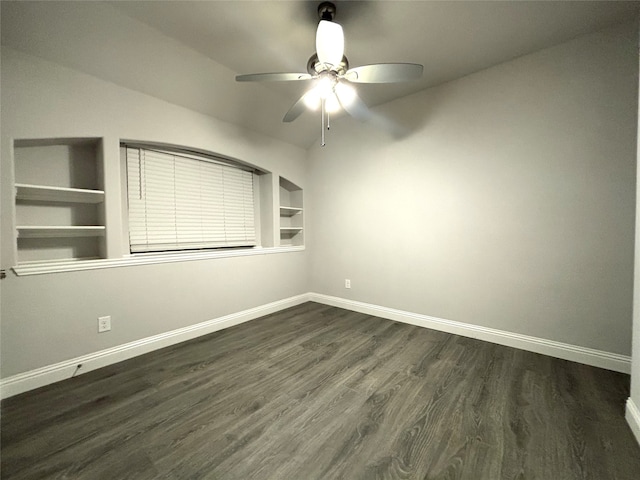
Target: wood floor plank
x=318 y=392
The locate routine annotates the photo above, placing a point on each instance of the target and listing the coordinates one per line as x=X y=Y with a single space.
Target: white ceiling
x=189 y=52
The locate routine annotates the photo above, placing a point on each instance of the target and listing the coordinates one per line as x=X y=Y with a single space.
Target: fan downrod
x=326 y=11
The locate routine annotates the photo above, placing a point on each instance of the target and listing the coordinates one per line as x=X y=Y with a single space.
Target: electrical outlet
x=104 y=324
x=347 y=283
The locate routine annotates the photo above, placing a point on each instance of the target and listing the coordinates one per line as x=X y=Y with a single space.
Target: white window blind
x=178 y=202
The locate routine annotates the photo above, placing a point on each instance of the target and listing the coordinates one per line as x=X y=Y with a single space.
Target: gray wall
x=53 y=317
x=504 y=199
x=635 y=355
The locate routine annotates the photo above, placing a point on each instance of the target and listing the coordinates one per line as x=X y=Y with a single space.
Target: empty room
x=319 y=240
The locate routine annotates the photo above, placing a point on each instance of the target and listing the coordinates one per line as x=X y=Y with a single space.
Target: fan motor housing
x=314 y=66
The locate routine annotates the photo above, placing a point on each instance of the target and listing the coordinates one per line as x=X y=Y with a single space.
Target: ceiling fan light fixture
x=312 y=100
x=346 y=94
x=332 y=105
x=325 y=86
x=323 y=90
x=329 y=43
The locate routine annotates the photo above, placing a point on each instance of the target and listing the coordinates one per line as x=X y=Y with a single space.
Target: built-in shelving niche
x=59 y=199
x=291 y=214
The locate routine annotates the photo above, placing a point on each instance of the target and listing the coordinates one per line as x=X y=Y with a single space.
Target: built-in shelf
x=51 y=231
x=59 y=200
x=289 y=211
x=43 y=193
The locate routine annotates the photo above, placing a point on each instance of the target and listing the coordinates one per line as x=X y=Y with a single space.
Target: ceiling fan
x=328 y=70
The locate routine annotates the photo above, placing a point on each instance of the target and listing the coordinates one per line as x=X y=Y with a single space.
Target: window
x=180 y=201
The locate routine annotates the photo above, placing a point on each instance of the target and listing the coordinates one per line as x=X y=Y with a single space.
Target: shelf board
x=290 y=231
x=48 y=231
x=45 y=193
x=289 y=211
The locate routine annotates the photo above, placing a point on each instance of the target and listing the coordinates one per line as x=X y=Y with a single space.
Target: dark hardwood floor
x=316 y=392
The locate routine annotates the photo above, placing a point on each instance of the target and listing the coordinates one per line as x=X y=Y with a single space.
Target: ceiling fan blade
x=351 y=102
x=296 y=110
x=329 y=43
x=273 y=77
x=384 y=73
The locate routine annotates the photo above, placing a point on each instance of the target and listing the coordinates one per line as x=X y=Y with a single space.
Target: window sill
x=142 y=259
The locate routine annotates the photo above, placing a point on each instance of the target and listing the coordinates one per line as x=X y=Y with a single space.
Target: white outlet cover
x=104 y=324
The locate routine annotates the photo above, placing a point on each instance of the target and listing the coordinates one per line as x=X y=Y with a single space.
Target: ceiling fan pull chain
x=323 y=105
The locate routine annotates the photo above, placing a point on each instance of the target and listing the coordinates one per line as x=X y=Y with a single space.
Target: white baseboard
x=566 y=351
x=633 y=418
x=40 y=377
